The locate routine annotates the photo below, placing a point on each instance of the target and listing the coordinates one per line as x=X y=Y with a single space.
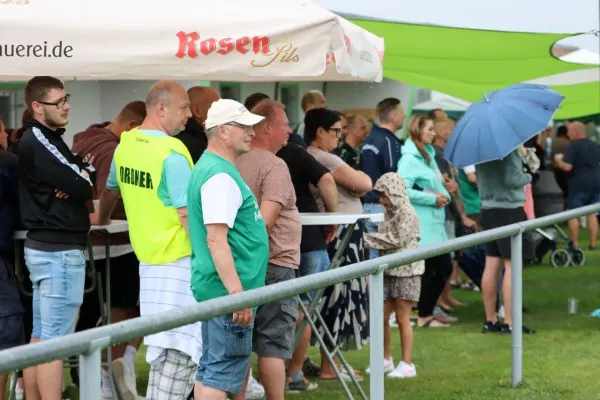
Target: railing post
x=89 y=374
x=376 y=333
x=90 y=364
x=517 y=308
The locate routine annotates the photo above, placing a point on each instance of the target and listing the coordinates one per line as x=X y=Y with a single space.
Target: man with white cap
x=230 y=248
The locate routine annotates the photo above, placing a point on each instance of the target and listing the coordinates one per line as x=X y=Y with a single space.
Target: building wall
x=99 y=101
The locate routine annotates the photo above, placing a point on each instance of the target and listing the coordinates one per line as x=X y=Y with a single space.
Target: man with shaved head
x=582 y=163
x=151 y=170
x=194 y=137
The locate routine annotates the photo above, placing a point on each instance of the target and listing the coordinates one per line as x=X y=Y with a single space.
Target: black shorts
x=124 y=280
x=11 y=330
x=495 y=218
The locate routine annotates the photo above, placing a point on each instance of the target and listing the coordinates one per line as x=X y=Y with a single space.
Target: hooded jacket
x=422 y=177
x=45 y=165
x=194 y=138
x=400 y=229
x=98 y=144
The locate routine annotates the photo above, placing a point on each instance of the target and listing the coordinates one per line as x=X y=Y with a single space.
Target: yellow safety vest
x=156 y=233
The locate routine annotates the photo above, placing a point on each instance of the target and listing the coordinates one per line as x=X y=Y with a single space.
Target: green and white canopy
x=469 y=47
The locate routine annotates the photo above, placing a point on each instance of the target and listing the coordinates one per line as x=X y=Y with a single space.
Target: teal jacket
x=416 y=172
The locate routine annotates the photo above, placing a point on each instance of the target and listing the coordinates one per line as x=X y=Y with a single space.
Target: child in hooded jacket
x=402 y=285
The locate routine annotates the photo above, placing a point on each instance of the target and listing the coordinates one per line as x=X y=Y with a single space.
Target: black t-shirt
x=348 y=154
x=305 y=170
x=584 y=156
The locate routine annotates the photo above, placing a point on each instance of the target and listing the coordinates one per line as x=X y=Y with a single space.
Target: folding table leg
x=329 y=355
x=111 y=376
x=337 y=260
x=313 y=311
x=336 y=351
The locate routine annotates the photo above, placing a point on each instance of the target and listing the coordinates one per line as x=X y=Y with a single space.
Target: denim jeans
x=372 y=226
x=58 y=280
x=226 y=352
x=313 y=262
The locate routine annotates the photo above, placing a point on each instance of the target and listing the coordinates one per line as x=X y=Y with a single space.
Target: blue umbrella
x=501 y=122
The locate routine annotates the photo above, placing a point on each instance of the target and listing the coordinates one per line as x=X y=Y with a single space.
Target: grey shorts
x=275 y=323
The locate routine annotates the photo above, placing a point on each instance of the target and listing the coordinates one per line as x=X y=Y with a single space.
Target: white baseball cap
x=225 y=111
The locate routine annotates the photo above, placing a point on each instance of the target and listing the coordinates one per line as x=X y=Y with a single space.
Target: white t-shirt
x=469 y=169
x=221 y=200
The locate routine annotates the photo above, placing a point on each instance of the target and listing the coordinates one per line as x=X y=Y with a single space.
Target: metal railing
x=88 y=344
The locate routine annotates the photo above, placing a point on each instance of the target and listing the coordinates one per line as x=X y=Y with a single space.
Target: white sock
x=105 y=385
x=129 y=356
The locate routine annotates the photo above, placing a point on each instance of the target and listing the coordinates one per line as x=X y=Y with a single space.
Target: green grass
x=560 y=362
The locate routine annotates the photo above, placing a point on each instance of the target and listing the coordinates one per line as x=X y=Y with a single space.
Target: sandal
x=428 y=324
x=345 y=376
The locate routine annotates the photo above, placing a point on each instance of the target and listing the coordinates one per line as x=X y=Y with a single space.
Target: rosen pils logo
x=191 y=45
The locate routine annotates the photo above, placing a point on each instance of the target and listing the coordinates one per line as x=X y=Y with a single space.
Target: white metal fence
x=88 y=344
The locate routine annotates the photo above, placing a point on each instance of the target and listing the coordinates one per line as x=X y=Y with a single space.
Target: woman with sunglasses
x=346 y=316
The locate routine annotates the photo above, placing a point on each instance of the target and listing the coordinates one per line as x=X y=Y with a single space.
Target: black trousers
x=437 y=272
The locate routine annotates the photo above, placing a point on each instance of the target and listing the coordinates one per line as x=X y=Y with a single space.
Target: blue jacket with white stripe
x=380 y=154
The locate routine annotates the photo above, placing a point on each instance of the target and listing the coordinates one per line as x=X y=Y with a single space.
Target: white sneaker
x=124 y=379
x=388 y=366
x=393 y=322
x=403 y=370
x=501 y=312
x=254 y=390
x=19 y=391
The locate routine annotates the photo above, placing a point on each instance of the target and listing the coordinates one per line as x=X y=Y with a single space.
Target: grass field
x=561 y=361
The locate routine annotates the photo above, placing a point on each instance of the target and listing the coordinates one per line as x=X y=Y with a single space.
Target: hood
x=411 y=148
x=401 y=227
x=193 y=128
x=394 y=187
x=96 y=135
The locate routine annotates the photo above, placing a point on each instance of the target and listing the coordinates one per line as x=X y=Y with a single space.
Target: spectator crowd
x=213 y=191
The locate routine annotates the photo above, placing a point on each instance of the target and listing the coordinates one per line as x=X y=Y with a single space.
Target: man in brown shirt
x=269 y=179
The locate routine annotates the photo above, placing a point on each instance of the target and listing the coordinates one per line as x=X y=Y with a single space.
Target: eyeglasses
x=337 y=131
x=59 y=104
x=245 y=128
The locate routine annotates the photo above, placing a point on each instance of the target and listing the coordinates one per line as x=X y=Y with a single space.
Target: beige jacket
x=400 y=229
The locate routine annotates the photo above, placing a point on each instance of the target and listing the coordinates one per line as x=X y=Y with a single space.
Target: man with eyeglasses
x=230 y=249
x=151 y=170
x=54 y=186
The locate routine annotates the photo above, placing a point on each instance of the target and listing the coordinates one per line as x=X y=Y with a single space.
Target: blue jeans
x=226 y=352
x=372 y=226
x=58 y=280
x=313 y=262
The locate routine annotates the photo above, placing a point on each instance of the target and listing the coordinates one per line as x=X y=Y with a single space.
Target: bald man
x=151 y=170
x=311 y=100
x=582 y=162
x=194 y=137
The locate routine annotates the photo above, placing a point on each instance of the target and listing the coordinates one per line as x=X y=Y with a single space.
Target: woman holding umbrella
x=489 y=135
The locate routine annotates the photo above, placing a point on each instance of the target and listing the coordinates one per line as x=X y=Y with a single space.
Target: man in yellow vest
x=151 y=171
